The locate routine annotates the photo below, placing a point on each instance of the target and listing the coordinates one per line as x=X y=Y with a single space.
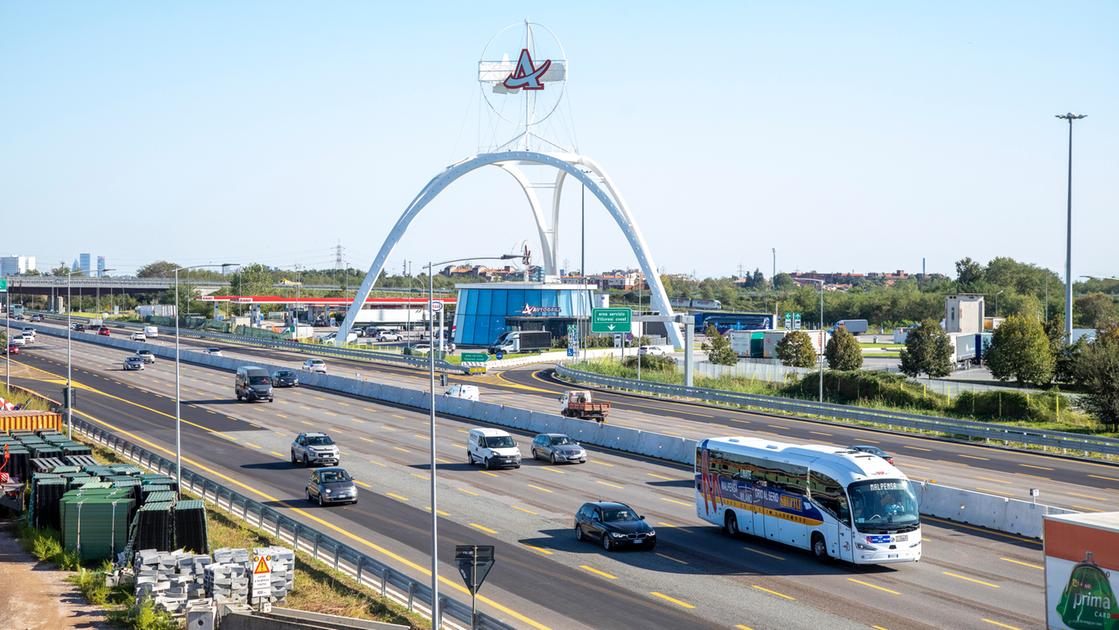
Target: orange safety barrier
x=29 y=420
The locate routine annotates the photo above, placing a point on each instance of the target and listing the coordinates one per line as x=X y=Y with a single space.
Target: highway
x=1080 y=485
x=543 y=578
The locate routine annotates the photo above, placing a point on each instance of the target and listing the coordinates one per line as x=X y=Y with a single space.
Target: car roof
x=609 y=504
x=314 y=434
x=488 y=432
x=555 y=434
x=333 y=469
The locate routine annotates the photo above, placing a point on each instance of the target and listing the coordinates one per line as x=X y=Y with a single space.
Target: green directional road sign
x=611 y=320
x=3 y=285
x=475 y=357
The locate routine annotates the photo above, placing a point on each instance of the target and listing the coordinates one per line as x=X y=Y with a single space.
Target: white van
x=458 y=390
x=151 y=332
x=492 y=448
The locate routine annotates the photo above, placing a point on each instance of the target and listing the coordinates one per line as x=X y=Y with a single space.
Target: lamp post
x=69 y=358
x=178 y=399
x=1068 y=234
x=435 y=617
x=820 y=360
x=8 y=335
x=997 y=301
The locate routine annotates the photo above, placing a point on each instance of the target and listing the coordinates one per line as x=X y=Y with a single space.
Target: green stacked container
x=95 y=521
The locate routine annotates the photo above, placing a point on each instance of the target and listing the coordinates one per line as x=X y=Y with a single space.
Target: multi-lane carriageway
x=543 y=578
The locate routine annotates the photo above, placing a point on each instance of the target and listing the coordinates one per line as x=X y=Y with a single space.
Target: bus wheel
x=730 y=524
x=819 y=547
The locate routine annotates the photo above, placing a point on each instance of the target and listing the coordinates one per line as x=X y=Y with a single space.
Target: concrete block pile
x=228 y=577
x=169 y=579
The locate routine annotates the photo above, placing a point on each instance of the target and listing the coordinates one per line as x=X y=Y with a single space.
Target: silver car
x=558 y=448
x=146 y=356
x=314 y=448
x=133 y=363
x=331 y=485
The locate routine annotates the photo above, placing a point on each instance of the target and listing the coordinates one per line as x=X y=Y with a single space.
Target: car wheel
x=469 y=458
x=606 y=544
x=320 y=501
x=820 y=547
x=271 y=400
x=306 y=462
x=238 y=397
x=294 y=460
x=309 y=498
x=730 y=524
x=579 y=533
x=535 y=456
x=552 y=457
x=488 y=464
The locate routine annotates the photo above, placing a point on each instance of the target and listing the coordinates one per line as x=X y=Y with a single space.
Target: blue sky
x=850 y=136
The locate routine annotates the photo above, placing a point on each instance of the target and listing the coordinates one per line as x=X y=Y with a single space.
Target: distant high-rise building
x=15 y=265
x=85 y=263
x=101 y=266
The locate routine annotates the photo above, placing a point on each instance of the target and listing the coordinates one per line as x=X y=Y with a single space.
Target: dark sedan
x=873 y=450
x=285 y=378
x=614 y=525
x=331 y=485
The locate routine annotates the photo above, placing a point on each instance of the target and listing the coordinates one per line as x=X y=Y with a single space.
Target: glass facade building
x=484 y=311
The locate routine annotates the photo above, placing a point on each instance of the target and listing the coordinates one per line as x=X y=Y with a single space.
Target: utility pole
x=1068 y=235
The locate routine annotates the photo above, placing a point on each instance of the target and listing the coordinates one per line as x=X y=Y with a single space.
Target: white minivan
x=493 y=448
x=466 y=392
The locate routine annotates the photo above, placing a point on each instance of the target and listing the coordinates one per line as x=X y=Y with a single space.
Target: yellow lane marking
x=308 y=423
x=595 y=461
x=1037 y=467
x=211 y=411
x=778 y=426
x=280 y=415
x=609 y=484
x=366 y=439
x=304 y=513
x=911 y=465
x=440 y=512
x=764 y=553
x=280 y=455
x=1025 y=564
x=655 y=475
x=993 y=480
x=540 y=488
x=1000 y=624
x=418 y=475
x=357 y=420
x=1085 y=496
x=1083 y=508
x=740 y=626
x=387 y=427
x=470 y=492
x=874 y=586
x=363 y=484
x=553 y=470
x=672 y=599
x=668 y=557
x=966 y=456
x=917 y=448
x=878 y=628
x=597 y=572
x=397 y=496
x=820 y=433
x=980 y=529
x=319 y=398
x=462 y=430
x=486 y=472
x=402 y=449
x=678 y=502
x=542 y=550
x=482 y=528
x=772 y=592
x=398 y=416
x=379 y=463
x=969 y=579
x=676 y=527
x=525 y=510
x=251 y=445
x=343 y=403
x=330 y=413
x=1104 y=477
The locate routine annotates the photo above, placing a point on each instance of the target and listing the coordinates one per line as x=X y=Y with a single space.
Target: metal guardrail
x=368 y=571
x=325 y=350
x=952 y=427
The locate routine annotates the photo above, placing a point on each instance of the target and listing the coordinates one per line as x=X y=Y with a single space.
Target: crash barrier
x=965 y=506
x=368 y=571
x=295 y=346
x=1002 y=514
x=953 y=428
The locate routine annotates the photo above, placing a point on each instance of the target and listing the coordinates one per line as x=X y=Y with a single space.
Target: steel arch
x=572 y=165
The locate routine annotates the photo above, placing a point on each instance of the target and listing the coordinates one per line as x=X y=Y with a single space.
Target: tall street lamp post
x=178 y=398
x=1068 y=235
x=435 y=615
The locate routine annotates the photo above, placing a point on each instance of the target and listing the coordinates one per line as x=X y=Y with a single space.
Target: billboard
x=1082 y=571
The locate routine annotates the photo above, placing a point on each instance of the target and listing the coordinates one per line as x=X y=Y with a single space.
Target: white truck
x=522 y=341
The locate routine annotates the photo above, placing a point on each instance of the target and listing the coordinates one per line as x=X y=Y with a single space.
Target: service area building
x=486 y=310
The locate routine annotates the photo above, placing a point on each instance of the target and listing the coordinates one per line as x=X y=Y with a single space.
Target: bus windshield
x=882 y=506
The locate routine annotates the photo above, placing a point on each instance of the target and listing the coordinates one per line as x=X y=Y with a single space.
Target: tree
x=1097 y=369
x=254 y=279
x=157 y=269
x=969 y=275
x=796 y=350
x=1096 y=310
x=928 y=350
x=1020 y=350
x=719 y=351
x=843 y=351
x=784 y=281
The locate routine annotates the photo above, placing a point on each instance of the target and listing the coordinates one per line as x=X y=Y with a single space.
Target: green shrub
x=651 y=362
x=92 y=586
x=45 y=545
x=144 y=616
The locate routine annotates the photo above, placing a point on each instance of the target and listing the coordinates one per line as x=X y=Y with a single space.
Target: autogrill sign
x=531 y=310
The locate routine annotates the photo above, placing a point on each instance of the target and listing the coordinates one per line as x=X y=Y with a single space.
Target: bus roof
x=845 y=465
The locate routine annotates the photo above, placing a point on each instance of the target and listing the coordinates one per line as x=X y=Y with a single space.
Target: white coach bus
x=836 y=502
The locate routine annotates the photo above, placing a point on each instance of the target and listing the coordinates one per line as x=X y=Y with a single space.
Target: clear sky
x=848 y=135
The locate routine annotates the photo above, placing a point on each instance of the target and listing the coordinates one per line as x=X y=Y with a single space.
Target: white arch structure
x=565 y=164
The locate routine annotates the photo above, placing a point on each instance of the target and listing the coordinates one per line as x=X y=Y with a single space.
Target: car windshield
x=320 y=440
x=316 y=362
x=619 y=514
x=886 y=505
x=259 y=380
x=283 y=374
x=500 y=441
x=560 y=440
x=333 y=476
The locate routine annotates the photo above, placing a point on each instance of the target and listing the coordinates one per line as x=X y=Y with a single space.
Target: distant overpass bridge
x=83 y=285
